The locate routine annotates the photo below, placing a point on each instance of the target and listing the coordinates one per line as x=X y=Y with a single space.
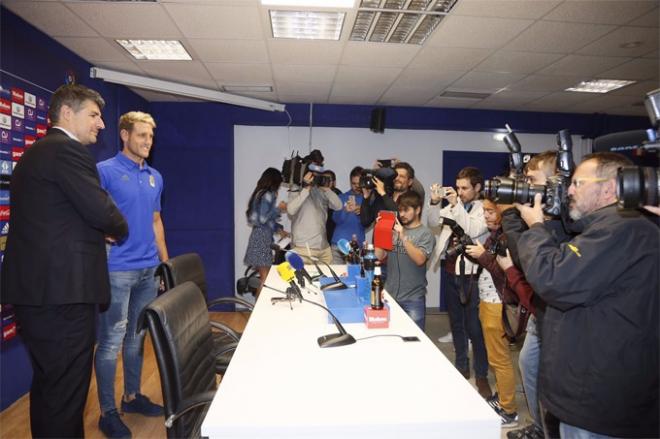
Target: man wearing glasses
x=599 y=363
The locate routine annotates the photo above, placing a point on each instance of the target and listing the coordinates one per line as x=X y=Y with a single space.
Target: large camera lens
x=506 y=190
x=638 y=186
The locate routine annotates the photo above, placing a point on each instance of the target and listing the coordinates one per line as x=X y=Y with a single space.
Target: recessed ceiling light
x=307 y=25
x=600 y=85
x=165 y=50
x=310 y=3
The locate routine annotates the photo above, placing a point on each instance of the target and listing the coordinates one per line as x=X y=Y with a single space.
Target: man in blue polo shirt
x=136 y=188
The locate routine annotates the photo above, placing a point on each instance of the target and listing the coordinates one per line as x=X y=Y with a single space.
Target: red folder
x=383 y=229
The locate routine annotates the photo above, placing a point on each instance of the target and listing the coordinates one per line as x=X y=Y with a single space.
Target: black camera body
x=321 y=180
x=386 y=175
x=554 y=194
x=498 y=248
x=295 y=168
x=460 y=239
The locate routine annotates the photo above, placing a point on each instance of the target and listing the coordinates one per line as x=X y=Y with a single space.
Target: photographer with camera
x=406 y=262
x=382 y=194
x=462 y=293
x=599 y=363
x=308 y=209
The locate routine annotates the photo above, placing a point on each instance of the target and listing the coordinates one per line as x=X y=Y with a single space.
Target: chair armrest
x=227 y=348
x=226 y=329
x=234 y=300
x=188 y=404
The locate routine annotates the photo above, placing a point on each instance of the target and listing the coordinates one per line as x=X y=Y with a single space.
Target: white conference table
x=280 y=384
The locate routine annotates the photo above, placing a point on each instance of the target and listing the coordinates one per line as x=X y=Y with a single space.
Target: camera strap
x=463 y=294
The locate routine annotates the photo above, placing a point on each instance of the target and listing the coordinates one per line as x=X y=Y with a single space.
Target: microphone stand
x=337 y=284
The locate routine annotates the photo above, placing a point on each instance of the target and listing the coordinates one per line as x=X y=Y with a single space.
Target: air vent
x=464 y=95
x=398 y=21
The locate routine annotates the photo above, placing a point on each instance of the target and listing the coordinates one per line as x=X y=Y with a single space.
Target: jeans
x=131 y=291
x=464 y=322
x=528 y=361
x=416 y=310
x=567 y=431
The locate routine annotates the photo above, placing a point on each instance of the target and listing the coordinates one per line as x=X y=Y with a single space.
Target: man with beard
x=406 y=262
x=384 y=198
x=599 y=363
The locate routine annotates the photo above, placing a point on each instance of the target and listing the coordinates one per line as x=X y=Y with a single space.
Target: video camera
x=637 y=186
x=295 y=168
x=460 y=241
x=386 y=175
x=508 y=190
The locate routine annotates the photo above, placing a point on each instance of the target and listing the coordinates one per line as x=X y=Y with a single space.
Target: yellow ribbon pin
x=575 y=250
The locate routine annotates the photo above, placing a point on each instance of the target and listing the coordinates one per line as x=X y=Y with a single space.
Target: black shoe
x=529 y=432
x=141 y=405
x=113 y=427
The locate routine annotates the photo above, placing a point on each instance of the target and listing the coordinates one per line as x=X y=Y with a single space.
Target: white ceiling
x=522 y=52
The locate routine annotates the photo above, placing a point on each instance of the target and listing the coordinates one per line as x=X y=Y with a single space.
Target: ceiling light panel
x=398 y=21
x=164 y=50
x=600 y=85
x=307 y=25
x=310 y=3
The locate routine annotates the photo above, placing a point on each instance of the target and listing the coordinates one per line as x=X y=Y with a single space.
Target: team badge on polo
x=152 y=181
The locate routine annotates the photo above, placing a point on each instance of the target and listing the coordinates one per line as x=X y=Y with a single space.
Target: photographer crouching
x=599 y=363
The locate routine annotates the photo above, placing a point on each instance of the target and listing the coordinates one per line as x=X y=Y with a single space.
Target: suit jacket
x=59 y=217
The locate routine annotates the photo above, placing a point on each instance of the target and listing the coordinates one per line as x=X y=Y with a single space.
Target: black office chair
x=181 y=334
x=189 y=267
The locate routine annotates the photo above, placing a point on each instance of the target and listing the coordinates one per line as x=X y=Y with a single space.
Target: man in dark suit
x=55 y=269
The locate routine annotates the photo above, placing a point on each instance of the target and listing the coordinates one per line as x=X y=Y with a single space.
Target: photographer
x=384 y=196
x=599 y=363
x=309 y=211
x=347 y=220
x=467 y=211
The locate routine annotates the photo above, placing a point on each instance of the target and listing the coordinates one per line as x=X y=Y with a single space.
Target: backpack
x=249 y=283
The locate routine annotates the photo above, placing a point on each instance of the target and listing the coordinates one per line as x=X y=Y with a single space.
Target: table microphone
x=298 y=264
x=342 y=338
x=344 y=246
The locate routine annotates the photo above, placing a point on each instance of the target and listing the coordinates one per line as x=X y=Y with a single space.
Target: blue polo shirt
x=136 y=191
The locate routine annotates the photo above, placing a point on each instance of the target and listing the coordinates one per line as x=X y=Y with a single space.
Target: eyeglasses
x=577 y=182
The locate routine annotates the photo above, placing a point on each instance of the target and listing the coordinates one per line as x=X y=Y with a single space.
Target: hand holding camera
x=532 y=214
x=476 y=250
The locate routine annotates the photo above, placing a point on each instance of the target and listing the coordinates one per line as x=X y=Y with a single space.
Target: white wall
x=256 y=148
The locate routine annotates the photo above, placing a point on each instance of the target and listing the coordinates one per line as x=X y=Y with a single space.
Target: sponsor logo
x=41 y=117
x=17 y=153
x=5 y=121
x=17 y=124
x=17 y=140
x=4 y=213
x=5 y=152
x=17 y=95
x=30 y=113
x=5 y=106
x=41 y=130
x=4 y=137
x=4 y=197
x=30 y=100
x=29 y=140
x=41 y=104
x=9 y=332
x=17 y=110
x=3 y=243
x=5 y=167
x=5 y=228
x=30 y=127
x=5 y=93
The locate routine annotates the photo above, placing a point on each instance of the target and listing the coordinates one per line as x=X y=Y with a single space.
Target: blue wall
x=194 y=152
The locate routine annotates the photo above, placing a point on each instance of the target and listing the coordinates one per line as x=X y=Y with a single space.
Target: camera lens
x=506 y=190
x=638 y=186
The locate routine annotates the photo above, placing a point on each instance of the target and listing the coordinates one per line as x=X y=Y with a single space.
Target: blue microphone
x=298 y=264
x=344 y=246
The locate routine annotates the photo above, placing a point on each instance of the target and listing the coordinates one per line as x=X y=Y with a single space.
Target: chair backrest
x=178 y=322
x=183 y=268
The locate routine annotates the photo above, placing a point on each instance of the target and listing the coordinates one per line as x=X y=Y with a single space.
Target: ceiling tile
x=405 y=96
x=230 y=51
x=127 y=20
x=561 y=101
x=303 y=99
x=546 y=83
x=451 y=102
x=369 y=91
x=476 y=32
x=450 y=58
x=185 y=72
x=52 y=18
x=309 y=52
x=505 y=61
x=94 y=49
x=557 y=37
x=601 y=104
x=509 y=99
x=298 y=88
x=427 y=79
x=638 y=89
x=578 y=65
x=650 y=19
x=652 y=54
x=323 y=74
x=600 y=12
x=224 y=22
x=366 y=75
x=235 y=74
x=610 y=45
x=486 y=81
x=639 y=68
x=378 y=54
x=504 y=8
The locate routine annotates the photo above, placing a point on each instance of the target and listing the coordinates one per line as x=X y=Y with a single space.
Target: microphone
x=298 y=264
x=341 y=338
x=344 y=246
x=338 y=284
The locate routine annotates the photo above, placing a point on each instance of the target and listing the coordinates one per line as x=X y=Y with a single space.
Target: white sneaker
x=447 y=338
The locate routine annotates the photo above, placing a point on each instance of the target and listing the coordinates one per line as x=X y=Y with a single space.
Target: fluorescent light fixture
x=248 y=88
x=179 y=89
x=307 y=25
x=499 y=137
x=600 y=85
x=310 y=3
x=165 y=50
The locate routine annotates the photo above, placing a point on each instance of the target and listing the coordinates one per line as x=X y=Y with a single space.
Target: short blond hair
x=127 y=120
